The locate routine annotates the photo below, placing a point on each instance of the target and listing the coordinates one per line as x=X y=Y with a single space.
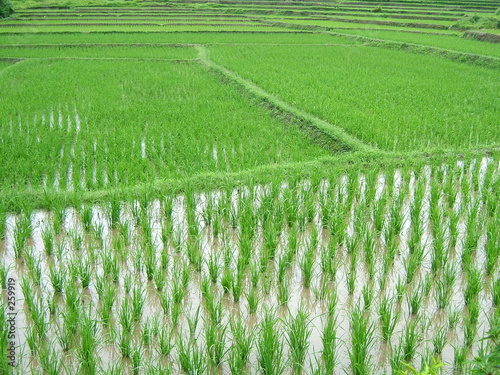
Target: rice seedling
x=396 y=219
x=34 y=269
x=307 y=264
x=269 y=346
x=58 y=219
x=396 y=360
x=136 y=361
x=284 y=293
x=297 y=337
x=492 y=247
x=4 y=270
x=149 y=260
x=444 y=287
x=473 y=310
x=243 y=339
x=413 y=263
x=215 y=340
x=351 y=280
x=453 y=318
x=191 y=359
x=418 y=199
x=37 y=313
x=415 y=301
x=32 y=340
x=370 y=252
x=440 y=339
x=138 y=300
x=165 y=344
x=48 y=241
x=439 y=250
x=159 y=279
x=495 y=292
x=125 y=344
x=111 y=266
x=193 y=322
x=368 y=294
x=76 y=239
x=379 y=214
x=49 y=360
x=65 y=335
x=84 y=273
x=88 y=345
x=126 y=316
x=362 y=340
x=86 y=217
x=22 y=232
x=329 y=340
x=194 y=254
x=400 y=289
x=470 y=330
x=460 y=358
x=4 y=344
x=57 y=277
x=474 y=285
x=227 y=280
x=442 y=294
x=213 y=265
x=388 y=317
x=114 y=368
x=411 y=338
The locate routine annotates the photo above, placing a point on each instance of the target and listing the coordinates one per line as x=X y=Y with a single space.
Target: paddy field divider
x=351 y=143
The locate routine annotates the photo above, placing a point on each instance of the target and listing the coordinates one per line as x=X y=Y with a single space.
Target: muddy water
x=75 y=245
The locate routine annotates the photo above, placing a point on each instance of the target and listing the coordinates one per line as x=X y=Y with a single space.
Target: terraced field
x=250 y=187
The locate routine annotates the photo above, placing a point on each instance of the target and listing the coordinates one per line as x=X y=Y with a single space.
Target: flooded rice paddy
x=356 y=274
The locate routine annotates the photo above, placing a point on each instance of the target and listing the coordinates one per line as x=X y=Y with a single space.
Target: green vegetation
x=476 y=21
x=449 y=42
x=6 y=8
x=249 y=187
x=364 y=91
x=100 y=52
x=183 y=122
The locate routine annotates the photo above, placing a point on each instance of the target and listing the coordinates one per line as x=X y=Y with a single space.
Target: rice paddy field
x=250 y=187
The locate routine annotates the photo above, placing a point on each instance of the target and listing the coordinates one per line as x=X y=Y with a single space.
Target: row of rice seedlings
x=262 y=261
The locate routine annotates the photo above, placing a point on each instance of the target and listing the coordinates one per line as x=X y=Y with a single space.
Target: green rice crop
x=157 y=153
x=298 y=335
x=244 y=27
x=329 y=82
x=191 y=305
x=288 y=37
x=94 y=52
x=362 y=336
x=450 y=42
x=193 y=218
